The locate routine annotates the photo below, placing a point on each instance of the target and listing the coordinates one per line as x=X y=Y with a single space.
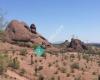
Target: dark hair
x=32 y=26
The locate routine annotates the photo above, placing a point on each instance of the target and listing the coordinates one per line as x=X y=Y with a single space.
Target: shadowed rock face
x=77 y=45
x=19 y=31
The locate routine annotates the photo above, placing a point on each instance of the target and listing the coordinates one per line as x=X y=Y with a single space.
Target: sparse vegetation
x=98 y=63
x=94 y=73
x=52 y=78
x=63 y=70
x=23 y=52
x=22 y=72
x=1 y=69
x=40 y=77
x=72 y=56
x=4 y=59
x=2 y=36
x=35 y=46
x=78 y=78
x=49 y=64
x=86 y=57
x=75 y=66
x=68 y=74
x=14 y=63
x=40 y=68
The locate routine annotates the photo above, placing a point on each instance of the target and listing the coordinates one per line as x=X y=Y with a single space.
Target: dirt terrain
x=61 y=66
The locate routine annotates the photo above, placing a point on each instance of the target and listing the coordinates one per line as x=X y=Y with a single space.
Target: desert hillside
x=67 y=61
x=23 y=64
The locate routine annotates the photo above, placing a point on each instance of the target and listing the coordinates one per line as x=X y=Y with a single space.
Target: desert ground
x=58 y=66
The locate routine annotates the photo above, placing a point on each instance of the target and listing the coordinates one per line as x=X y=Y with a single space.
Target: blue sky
x=58 y=20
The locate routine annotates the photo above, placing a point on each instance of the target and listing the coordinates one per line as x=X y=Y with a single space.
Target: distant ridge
x=94 y=44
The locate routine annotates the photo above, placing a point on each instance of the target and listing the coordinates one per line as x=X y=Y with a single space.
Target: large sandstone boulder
x=17 y=31
x=77 y=45
x=20 y=32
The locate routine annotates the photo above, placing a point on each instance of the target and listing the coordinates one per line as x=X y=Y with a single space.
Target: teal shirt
x=39 y=51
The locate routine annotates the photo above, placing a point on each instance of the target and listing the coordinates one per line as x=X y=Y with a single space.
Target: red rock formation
x=19 y=31
x=77 y=45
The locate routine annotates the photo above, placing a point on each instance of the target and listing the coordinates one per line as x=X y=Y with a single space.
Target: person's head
x=33 y=28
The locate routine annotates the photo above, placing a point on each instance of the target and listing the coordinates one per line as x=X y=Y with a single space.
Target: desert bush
x=1 y=69
x=68 y=75
x=21 y=43
x=98 y=52
x=63 y=70
x=65 y=57
x=94 y=73
x=52 y=78
x=79 y=56
x=14 y=63
x=98 y=63
x=22 y=72
x=78 y=78
x=2 y=35
x=35 y=46
x=72 y=56
x=23 y=52
x=75 y=66
x=90 y=51
x=41 y=77
x=39 y=68
x=86 y=57
x=4 y=59
x=50 y=64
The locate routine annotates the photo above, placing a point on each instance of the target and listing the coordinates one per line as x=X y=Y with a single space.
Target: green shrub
x=86 y=57
x=14 y=64
x=1 y=69
x=94 y=73
x=75 y=66
x=72 y=56
x=23 y=52
x=63 y=70
x=98 y=63
x=35 y=46
x=4 y=59
x=22 y=72
x=77 y=78
x=41 y=77
x=21 y=43
x=90 y=51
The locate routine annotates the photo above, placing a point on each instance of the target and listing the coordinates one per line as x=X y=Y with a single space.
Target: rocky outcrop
x=77 y=45
x=20 y=32
x=17 y=31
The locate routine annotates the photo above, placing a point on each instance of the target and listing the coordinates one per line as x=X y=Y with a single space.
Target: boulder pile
x=17 y=31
